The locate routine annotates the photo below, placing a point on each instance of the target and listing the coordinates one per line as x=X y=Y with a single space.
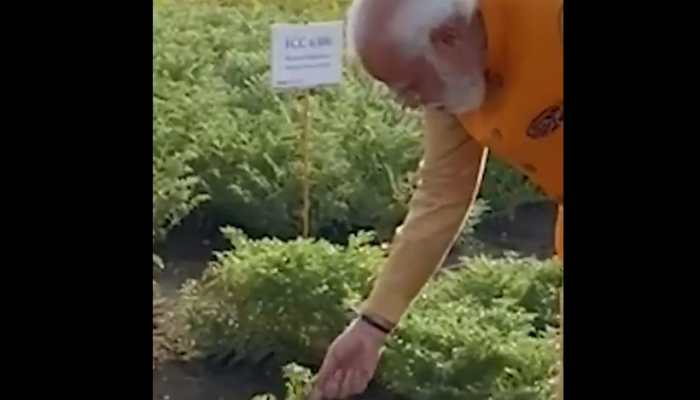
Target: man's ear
x=449 y=34
x=445 y=35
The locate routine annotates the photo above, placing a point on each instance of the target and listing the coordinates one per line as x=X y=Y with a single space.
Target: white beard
x=463 y=94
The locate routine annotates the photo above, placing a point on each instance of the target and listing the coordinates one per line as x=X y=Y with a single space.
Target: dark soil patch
x=195 y=380
x=528 y=229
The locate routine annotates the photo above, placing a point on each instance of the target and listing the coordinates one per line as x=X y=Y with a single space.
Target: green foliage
x=213 y=100
x=315 y=9
x=462 y=350
x=504 y=187
x=526 y=283
x=481 y=332
x=484 y=331
x=175 y=191
x=290 y=298
x=298 y=383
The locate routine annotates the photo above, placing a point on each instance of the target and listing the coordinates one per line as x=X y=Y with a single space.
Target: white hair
x=350 y=30
x=411 y=23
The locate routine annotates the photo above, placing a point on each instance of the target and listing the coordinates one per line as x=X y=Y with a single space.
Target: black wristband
x=375 y=324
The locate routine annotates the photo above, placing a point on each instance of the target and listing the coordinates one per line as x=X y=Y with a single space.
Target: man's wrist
x=369 y=332
x=377 y=322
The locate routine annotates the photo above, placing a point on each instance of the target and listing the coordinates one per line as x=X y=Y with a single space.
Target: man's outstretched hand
x=350 y=362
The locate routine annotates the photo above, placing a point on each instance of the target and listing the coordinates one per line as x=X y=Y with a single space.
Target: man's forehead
x=373 y=18
x=376 y=10
x=378 y=49
x=385 y=62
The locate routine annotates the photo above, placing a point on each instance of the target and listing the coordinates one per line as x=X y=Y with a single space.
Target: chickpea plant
x=298 y=383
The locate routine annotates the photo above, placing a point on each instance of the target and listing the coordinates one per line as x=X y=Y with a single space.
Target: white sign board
x=308 y=55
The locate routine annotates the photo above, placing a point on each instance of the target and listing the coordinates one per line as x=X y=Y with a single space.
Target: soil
x=528 y=230
x=195 y=380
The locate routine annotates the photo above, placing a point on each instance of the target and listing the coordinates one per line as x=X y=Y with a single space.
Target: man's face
x=429 y=80
x=414 y=80
x=448 y=76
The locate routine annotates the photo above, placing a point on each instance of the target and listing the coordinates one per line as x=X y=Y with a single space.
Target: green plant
x=213 y=100
x=289 y=298
x=484 y=331
x=527 y=283
x=463 y=350
x=298 y=383
x=313 y=8
x=504 y=187
x=176 y=191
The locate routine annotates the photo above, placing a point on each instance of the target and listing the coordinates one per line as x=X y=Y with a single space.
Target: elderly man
x=489 y=74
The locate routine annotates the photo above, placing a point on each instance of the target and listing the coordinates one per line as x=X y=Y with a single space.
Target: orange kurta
x=522 y=118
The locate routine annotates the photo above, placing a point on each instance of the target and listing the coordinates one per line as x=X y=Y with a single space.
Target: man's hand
x=350 y=362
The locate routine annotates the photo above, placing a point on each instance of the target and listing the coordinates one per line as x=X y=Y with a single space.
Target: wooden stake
x=306 y=161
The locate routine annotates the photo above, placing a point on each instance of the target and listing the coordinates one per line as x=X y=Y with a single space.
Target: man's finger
x=327 y=369
x=347 y=384
x=331 y=389
x=359 y=383
x=320 y=381
x=316 y=393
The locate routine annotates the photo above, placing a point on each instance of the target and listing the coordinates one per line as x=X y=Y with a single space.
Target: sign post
x=306 y=162
x=306 y=56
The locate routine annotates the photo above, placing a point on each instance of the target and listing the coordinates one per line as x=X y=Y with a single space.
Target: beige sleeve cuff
x=449 y=176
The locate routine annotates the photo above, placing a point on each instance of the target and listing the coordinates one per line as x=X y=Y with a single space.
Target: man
x=489 y=74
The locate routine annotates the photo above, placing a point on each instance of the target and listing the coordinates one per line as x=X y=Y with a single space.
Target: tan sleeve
x=449 y=176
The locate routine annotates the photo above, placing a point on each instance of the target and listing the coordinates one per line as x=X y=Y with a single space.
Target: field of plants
x=242 y=305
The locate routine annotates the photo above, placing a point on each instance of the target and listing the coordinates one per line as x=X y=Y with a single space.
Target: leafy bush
x=484 y=331
x=463 y=350
x=176 y=189
x=314 y=8
x=290 y=298
x=527 y=283
x=175 y=192
x=298 y=383
x=481 y=332
x=213 y=97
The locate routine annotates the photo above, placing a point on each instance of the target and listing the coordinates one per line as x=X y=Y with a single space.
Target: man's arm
x=449 y=178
